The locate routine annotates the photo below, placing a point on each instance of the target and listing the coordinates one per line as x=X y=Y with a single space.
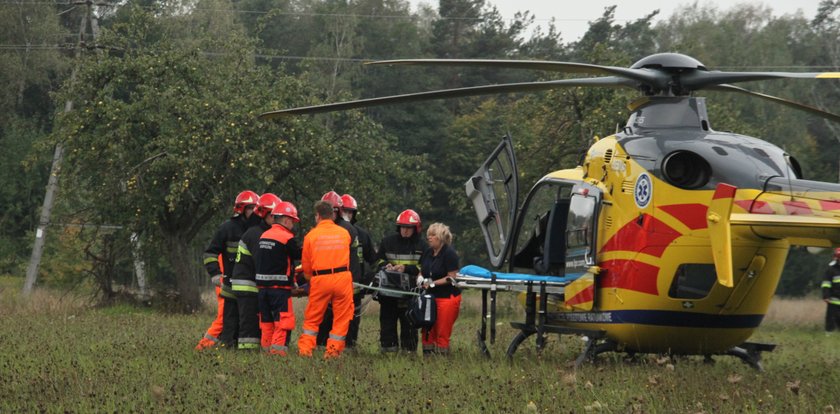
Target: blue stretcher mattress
x=478 y=271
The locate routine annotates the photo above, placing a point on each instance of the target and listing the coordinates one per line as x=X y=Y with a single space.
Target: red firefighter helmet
x=348 y=202
x=409 y=218
x=244 y=198
x=285 y=208
x=333 y=198
x=266 y=203
x=837 y=253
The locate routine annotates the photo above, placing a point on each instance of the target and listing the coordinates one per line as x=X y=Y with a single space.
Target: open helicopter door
x=493 y=190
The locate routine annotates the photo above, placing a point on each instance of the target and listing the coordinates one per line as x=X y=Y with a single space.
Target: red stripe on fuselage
x=630 y=275
x=692 y=215
x=586 y=295
x=756 y=207
x=830 y=205
x=797 y=208
x=652 y=237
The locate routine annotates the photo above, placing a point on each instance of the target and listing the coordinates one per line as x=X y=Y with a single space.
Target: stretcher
x=476 y=277
x=538 y=289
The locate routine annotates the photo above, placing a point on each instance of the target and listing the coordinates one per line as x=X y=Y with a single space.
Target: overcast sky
x=573 y=16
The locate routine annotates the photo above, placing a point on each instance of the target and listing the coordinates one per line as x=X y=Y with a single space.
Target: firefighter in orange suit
x=219 y=260
x=275 y=269
x=326 y=264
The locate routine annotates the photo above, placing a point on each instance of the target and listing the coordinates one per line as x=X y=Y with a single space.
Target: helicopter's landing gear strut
x=594 y=346
x=750 y=353
x=536 y=322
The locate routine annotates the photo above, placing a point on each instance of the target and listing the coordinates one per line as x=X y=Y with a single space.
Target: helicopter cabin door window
x=493 y=190
x=580 y=231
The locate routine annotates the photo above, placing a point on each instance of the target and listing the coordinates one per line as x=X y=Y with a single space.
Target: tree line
x=164 y=132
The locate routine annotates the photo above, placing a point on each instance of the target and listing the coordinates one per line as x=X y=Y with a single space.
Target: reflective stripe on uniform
x=243 y=248
x=408 y=259
x=209 y=258
x=834 y=301
x=280 y=348
x=247 y=345
x=826 y=284
x=835 y=279
x=311 y=333
x=232 y=247
x=276 y=278
x=209 y=337
x=227 y=292
x=244 y=285
x=337 y=337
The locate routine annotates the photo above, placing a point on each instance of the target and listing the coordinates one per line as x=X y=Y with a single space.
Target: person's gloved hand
x=420 y=281
x=217 y=280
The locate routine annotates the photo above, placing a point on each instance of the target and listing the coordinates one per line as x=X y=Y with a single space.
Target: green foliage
x=164 y=132
x=30 y=62
x=174 y=128
x=803 y=272
x=21 y=178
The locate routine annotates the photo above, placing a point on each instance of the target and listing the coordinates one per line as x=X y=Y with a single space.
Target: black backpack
x=422 y=311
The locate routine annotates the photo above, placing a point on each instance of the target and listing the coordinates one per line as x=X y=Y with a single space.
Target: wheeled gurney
x=536 y=288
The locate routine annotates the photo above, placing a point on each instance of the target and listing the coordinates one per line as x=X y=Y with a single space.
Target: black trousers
x=352 y=333
x=392 y=311
x=249 y=324
x=230 y=323
x=832 y=318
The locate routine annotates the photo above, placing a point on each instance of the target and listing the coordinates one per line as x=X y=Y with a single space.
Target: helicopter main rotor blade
x=608 y=81
x=699 y=80
x=796 y=105
x=641 y=75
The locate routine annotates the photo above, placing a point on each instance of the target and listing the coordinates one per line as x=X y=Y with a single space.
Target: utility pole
x=52 y=183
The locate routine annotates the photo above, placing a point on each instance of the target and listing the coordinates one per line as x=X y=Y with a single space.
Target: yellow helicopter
x=669 y=238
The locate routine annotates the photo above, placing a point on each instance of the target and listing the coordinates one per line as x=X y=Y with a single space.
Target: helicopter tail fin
x=720 y=232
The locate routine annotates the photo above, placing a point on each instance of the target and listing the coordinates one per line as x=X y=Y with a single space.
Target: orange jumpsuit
x=326 y=264
x=211 y=337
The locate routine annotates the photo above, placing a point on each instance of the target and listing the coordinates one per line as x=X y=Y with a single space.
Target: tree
x=174 y=129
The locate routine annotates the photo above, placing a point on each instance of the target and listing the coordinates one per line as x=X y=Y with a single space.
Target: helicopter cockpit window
x=540 y=241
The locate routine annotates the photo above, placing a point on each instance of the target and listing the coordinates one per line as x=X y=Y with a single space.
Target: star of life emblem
x=643 y=192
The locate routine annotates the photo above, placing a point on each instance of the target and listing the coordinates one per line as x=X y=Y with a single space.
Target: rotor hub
x=669 y=62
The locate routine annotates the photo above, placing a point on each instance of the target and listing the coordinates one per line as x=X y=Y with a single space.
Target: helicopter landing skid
x=750 y=353
x=594 y=343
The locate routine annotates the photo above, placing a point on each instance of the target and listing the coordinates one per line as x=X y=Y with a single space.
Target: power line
x=369 y=59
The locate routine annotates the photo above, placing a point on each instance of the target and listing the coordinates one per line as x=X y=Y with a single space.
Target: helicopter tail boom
x=799 y=225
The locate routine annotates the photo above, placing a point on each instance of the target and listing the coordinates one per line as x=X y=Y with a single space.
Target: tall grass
x=60 y=355
x=803 y=312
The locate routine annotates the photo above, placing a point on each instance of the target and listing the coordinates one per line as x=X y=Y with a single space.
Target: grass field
x=58 y=355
